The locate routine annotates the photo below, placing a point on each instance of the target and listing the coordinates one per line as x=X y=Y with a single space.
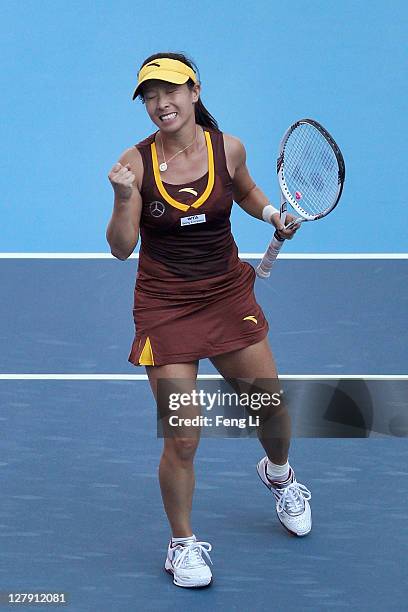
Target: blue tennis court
x=75 y=315
x=81 y=509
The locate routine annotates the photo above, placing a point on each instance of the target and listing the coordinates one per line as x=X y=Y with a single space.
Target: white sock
x=277 y=473
x=187 y=540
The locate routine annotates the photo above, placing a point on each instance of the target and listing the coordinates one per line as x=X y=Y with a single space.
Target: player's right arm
x=126 y=178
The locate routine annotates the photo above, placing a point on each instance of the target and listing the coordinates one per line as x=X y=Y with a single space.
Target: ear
x=196 y=92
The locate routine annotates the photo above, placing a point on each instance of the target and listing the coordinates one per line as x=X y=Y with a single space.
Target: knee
x=180 y=450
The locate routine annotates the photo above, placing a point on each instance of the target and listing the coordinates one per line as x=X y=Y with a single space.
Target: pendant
x=163 y=167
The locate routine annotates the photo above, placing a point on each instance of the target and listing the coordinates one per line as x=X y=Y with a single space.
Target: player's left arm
x=245 y=191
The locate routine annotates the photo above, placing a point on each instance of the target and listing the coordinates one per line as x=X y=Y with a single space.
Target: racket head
x=311 y=169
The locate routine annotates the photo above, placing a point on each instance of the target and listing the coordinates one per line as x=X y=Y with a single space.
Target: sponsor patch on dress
x=193 y=219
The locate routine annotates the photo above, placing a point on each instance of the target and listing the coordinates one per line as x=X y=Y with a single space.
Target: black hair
x=202 y=116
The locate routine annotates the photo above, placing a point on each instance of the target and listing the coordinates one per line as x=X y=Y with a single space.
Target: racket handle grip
x=263 y=270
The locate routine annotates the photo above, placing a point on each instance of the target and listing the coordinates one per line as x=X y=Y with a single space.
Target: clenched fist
x=121 y=178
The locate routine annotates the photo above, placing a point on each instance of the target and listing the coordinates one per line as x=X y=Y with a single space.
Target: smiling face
x=170 y=106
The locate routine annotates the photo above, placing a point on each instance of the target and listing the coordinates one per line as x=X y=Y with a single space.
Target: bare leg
x=176 y=469
x=256 y=362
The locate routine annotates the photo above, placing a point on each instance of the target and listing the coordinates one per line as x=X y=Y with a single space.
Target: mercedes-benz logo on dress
x=157 y=209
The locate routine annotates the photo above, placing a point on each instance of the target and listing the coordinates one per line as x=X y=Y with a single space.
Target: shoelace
x=191 y=555
x=291 y=498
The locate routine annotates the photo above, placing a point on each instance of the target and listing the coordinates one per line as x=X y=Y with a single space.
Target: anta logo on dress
x=157 y=209
x=251 y=318
x=189 y=190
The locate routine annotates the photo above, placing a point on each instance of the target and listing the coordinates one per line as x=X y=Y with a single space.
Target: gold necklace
x=164 y=165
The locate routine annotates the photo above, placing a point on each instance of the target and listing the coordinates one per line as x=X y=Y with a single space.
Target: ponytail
x=202 y=116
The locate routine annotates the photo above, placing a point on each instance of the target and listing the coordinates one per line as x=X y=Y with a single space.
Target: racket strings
x=312 y=160
x=310 y=170
x=311 y=155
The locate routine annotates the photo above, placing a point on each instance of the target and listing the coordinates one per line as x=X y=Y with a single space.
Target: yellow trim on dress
x=210 y=183
x=146 y=356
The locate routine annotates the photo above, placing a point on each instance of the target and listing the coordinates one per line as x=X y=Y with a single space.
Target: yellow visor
x=165 y=69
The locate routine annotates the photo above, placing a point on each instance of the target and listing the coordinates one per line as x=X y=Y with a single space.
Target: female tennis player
x=194 y=298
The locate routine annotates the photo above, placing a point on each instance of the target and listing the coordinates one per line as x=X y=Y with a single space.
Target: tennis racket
x=311 y=175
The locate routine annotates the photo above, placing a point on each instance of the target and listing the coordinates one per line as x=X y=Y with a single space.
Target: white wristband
x=267 y=213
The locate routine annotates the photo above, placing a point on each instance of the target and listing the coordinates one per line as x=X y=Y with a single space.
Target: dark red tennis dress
x=193 y=297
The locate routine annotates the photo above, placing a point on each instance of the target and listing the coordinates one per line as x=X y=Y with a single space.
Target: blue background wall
x=69 y=70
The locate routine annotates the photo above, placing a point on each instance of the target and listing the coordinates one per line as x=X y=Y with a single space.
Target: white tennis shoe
x=186 y=564
x=292 y=506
